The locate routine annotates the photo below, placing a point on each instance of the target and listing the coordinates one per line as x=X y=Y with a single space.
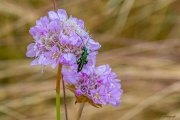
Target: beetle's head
x=84 y=48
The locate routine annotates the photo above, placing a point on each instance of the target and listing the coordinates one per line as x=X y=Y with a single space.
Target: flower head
x=99 y=84
x=60 y=39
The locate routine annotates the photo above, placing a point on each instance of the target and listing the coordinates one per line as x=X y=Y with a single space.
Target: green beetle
x=83 y=59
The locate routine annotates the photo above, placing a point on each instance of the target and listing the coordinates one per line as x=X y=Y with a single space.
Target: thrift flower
x=99 y=84
x=60 y=39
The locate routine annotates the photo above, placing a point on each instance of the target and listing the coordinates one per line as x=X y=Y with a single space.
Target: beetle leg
x=79 y=61
x=86 y=61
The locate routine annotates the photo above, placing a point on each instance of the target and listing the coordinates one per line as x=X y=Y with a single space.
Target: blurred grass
x=140 y=40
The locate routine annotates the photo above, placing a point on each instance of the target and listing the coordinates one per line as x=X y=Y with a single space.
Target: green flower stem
x=58 y=114
x=58 y=81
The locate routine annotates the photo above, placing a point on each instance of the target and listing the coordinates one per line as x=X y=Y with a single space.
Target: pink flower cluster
x=59 y=39
x=99 y=84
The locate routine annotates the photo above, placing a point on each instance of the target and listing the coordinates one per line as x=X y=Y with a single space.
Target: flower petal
x=68 y=59
x=53 y=15
x=69 y=76
x=62 y=14
x=30 y=50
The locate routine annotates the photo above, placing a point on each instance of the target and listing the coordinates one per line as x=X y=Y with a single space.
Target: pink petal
x=53 y=15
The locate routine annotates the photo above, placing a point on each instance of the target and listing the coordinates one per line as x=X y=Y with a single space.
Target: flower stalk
x=58 y=103
x=54 y=4
x=80 y=111
x=64 y=96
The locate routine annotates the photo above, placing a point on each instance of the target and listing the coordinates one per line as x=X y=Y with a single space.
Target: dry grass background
x=140 y=40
